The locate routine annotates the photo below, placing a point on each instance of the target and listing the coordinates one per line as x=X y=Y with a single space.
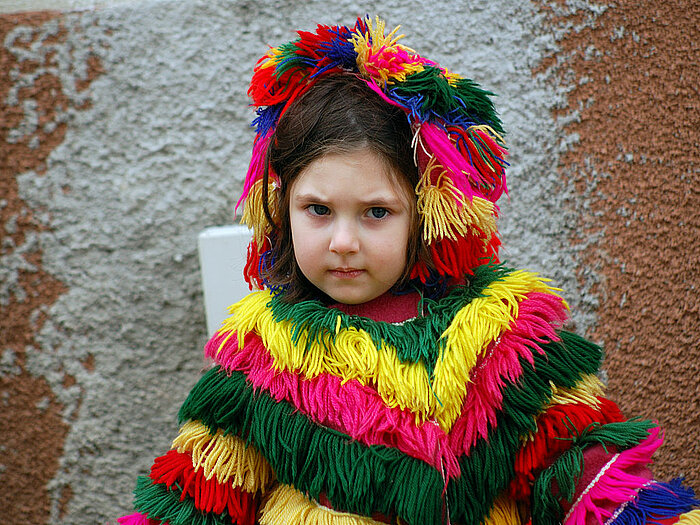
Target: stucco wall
x=632 y=77
x=125 y=132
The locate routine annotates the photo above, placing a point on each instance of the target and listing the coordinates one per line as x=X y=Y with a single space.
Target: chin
x=353 y=298
x=346 y=299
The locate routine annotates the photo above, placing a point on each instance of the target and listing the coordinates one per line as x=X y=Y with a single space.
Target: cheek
x=303 y=235
x=305 y=243
x=391 y=249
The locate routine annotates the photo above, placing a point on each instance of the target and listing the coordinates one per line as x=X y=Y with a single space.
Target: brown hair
x=340 y=114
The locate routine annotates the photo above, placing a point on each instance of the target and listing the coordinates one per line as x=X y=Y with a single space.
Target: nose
x=344 y=237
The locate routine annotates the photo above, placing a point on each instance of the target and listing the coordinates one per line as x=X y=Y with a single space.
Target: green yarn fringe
x=355 y=477
x=366 y=479
x=488 y=470
x=465 y=98
x=291 y=59
x=159 y=502
x=567 y=469
x=417 y=340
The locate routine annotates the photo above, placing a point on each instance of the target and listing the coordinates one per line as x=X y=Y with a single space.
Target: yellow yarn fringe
x=689 y=518
x=504 y=512
x=225 y=456
x=586 y=391
x=452 y=77
x=353 y=355
x=490 y=131
x=445 y=211
x=273 y=57
x=253 y=214
x=373 y=43
x=483 y=320
x=286 y=506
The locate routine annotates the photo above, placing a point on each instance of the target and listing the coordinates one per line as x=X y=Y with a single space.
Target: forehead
x=361 y=171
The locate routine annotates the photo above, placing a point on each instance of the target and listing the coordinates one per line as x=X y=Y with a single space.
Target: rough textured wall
x=125 y=132
x=632 y=75
x=39 y=94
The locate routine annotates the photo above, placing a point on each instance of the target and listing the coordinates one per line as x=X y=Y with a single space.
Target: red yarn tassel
x=458 y=258
x=554 y=428
x=208 y=494
x=251 y=271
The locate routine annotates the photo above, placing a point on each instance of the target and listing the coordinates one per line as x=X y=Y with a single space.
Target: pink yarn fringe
x=359 y=410
x=501 y=188
x=255 y=168
x=391 y=59
x=539 y=314
x=616 y=486
x=439 y=144
x=137 y=519
x=375 y=87
x=350 y=407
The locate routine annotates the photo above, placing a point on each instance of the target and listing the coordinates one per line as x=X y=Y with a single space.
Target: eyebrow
x=374 y=201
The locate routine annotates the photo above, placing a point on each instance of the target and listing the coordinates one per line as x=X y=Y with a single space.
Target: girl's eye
x=378 y=213
x=318 y=209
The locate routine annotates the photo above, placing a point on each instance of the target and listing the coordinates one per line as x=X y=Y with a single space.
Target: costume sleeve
x=586 y=464
x=208 y=477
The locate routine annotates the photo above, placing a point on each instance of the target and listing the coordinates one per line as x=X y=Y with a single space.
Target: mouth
x=346 y=273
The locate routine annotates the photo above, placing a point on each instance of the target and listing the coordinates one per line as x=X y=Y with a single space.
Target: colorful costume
x=472 y=407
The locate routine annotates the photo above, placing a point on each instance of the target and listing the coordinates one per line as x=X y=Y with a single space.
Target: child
x=390 y=370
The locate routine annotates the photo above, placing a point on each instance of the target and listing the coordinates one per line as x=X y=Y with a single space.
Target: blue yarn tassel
x=657 y=502
x=267 y=119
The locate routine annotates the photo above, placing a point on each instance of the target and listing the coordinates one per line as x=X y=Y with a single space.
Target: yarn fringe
x=473 y=328
x=286 y=506
x=455 y=119
x=485 y=472
x=415 y=340
x=380 y=57
x=489 y=467
x=477 y=144
x=613 y=483
x=256 y=169
x=225 y=457
x=253 y=213
x=349 y=407
x=327 y=400
x=444 y=210
x=137 y=519
x=254 y=260
x=539 y=315
x=458 y=258
x=504 y=512
x=227 y=402
x=554 y=428
x=158 y=502
x=463 y=175
x=659 y=501
x=437 y=95
x=208 y=495
x=567 y=468
x=351 y=353
x=355 y=478
x=587 y=391
x=689 y=518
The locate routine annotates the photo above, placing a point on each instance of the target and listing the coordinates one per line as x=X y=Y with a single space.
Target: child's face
x=350 y=221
